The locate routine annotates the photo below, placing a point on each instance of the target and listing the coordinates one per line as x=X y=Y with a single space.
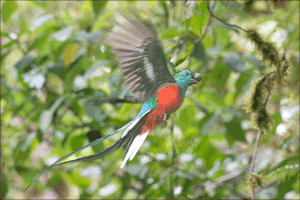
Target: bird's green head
x=186 y=78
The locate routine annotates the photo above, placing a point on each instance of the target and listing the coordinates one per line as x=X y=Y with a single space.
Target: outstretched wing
x=141 y=58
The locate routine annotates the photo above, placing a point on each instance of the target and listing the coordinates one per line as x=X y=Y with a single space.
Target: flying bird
x=149 y=81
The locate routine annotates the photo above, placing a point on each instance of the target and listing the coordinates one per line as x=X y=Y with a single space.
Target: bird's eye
x=187 y=73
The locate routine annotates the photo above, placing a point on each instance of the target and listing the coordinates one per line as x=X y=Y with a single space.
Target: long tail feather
x=87 y=158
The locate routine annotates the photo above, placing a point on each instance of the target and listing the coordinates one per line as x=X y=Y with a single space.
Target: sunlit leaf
x=63 y=34
x=40 y=21
x=181 y=60
x=169 y=34
x=199 y=20
x=69 y=54
x=7 y=9
x=47 y=115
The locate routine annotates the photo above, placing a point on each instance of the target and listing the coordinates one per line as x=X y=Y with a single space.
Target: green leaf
x=92 y=136
x=89 y=73
x=221 y=74
x=77 y=142
x=207 y=152
x=186 y=117
x=181 y=60
x=41 y=43
x=285 y=186
x=169 y=34
x=207 y=127
x=199 y=20
x=98 y=6
x=232 y=4
x=47 y=115
x=289 y=161
x=241 y=83
x=198 y=52
x=222 y=35
x=40 y=21
x=74 y=70
x=234 y=131
x=70 y=53
x=94 y=111
x=214 y=50
x=64 y=34
x=45 y=120
x=79 y=180
x=213 y=98
x=90 y=37
x=254 y=61
x=8 y=8
x=25 y=61
x=4 y=185
x=103 y=20
x=235 y=62
x=28 y=141
x=27 y=173
x=57 y=68
x=23 y=149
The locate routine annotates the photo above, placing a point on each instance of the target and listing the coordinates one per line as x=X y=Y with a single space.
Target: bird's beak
x=197 y=78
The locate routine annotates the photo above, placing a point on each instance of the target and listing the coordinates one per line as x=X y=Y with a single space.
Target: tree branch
x=232 y=25
x=111 y=101
x=253 y=159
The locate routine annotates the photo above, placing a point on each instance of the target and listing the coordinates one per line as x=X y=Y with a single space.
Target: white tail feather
x=133 y=124
x=134 y=147
x=142 y=139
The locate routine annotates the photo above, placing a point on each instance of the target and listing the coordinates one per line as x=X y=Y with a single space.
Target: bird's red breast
x=169 y=99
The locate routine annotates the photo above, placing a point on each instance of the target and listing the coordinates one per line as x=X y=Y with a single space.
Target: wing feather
x=141 y=58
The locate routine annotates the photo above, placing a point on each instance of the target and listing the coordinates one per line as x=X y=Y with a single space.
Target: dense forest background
x=58 y=75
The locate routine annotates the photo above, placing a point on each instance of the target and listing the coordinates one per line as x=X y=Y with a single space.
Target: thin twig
x=111 y=101
x=232 y=25
x=253 y=158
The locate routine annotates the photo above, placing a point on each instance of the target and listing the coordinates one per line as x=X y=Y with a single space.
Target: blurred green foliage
x=55 y=67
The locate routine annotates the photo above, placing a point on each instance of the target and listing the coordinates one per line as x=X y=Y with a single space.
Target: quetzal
x=148 y=79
